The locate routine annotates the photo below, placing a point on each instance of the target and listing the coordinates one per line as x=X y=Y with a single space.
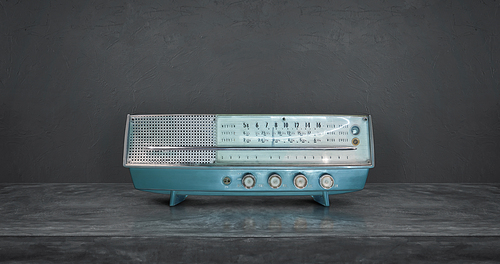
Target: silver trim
x=125 y=145
x=249 y=148
x=217 y=166
x=372 y=144
x=368 y=164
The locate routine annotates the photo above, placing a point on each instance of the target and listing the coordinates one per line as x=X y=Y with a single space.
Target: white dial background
x=294 y=132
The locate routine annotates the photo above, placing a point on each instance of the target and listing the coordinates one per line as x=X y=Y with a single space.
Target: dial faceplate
x=288 y=140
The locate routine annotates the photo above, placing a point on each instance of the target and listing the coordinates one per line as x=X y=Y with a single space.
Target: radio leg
x=322 y=199
x=175 y=198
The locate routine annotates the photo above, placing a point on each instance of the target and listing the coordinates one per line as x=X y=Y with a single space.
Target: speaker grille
x=171 y=130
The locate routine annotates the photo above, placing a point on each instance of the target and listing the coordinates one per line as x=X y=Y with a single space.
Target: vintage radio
x=247 y=155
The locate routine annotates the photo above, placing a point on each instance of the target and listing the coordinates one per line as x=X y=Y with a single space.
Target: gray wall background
x=427 y=71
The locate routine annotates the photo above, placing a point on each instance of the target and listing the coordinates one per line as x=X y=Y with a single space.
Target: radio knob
x=300 y=181
x=326 y=181
x=274 y=181
x=355 y=130
x=248 y=181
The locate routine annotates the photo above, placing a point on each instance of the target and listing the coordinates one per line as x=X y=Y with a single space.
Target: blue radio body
x=249 y=155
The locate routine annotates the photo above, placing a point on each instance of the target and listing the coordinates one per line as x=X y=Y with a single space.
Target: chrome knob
x=274 y=181
x=300 y=181
x=248 y=181
x=326 y=181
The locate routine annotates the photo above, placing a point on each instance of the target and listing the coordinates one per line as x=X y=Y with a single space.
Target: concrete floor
x=384 y=223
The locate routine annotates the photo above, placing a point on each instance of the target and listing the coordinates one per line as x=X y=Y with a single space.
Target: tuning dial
x=326 y=181
x=248 y=181
x=274 y=181
x=300 y=181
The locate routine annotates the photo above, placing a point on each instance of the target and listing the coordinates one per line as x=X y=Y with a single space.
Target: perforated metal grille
x=171 y=130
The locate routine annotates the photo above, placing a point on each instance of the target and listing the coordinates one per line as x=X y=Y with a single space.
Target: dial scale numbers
x=300 y=140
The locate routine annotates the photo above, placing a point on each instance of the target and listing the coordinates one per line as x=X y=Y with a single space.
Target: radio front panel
x=249 y=154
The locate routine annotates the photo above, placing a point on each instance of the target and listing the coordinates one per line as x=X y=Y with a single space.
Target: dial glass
x=293 y=139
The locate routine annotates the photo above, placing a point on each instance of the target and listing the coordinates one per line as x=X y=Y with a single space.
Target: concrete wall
x=427 y=71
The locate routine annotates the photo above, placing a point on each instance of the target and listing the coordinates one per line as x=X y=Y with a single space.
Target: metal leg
x=175 y=199
x=322 y=199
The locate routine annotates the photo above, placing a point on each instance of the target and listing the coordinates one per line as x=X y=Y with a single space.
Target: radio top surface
x=249 y=140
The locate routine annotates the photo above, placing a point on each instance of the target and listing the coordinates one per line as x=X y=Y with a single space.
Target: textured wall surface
x=427 y=71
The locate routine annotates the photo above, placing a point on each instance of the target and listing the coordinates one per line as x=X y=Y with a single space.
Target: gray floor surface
x=384 y=223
